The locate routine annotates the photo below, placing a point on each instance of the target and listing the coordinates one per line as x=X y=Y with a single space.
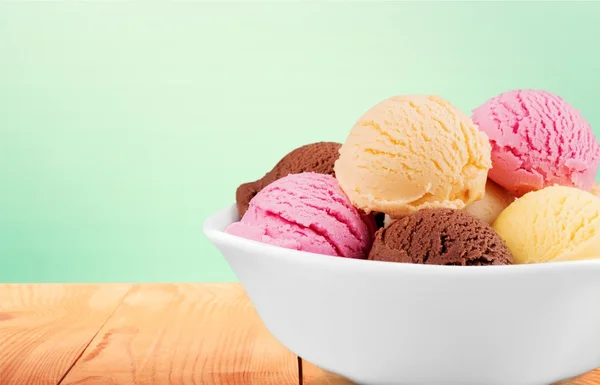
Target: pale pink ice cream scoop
x=307 y=212
x=538 y=140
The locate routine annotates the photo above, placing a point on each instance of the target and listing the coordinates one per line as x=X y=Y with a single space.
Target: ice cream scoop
x=307 y=212
x=315 y=157
x=440 y=237
x=556 y=223
x=487 y=209
x=538 y=140
x=491 y=205
x=413 y=152
x=596 y=189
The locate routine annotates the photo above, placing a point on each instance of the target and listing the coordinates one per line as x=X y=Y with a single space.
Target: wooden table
x=159 y=334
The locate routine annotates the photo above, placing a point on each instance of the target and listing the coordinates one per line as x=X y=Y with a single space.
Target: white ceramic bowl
x=391 y=323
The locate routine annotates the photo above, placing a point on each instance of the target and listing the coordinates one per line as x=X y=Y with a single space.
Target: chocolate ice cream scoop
x=440 y=237
x=315 y=157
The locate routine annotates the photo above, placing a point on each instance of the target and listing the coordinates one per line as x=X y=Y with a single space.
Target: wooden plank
x=316 y=376
x=591 y=378
x=185 y=334
x=161 y=334
x=313 y=375
x=44 y=328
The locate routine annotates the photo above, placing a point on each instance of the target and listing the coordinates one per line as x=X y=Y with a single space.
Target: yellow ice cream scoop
x=556 y=223
x=412 y=152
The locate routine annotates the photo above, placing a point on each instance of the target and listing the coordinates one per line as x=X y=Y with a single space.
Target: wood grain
x=147 y=334
x=316 y=376
x=45 y=328
x=312 y=375
x=591 y=378
x=185 y=334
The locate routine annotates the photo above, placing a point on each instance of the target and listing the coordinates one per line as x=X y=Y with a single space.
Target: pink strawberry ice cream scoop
x=307 y=212
x=538 y=140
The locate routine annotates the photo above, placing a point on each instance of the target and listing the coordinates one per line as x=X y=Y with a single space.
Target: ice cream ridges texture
x=413 y=152
x=512 y=184
x=440 y=237
x=307 y=212
x=557 y=223
x=538 y=140
x=315 y=157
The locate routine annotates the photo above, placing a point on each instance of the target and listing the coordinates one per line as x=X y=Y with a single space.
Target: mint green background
x=124 y=125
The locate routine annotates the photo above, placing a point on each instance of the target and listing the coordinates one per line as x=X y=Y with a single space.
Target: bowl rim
x=215 y=232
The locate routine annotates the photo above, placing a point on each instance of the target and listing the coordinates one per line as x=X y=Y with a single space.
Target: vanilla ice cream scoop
x=556 y=223
x=495 y=200
x=487 y=209
x=413 y=152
